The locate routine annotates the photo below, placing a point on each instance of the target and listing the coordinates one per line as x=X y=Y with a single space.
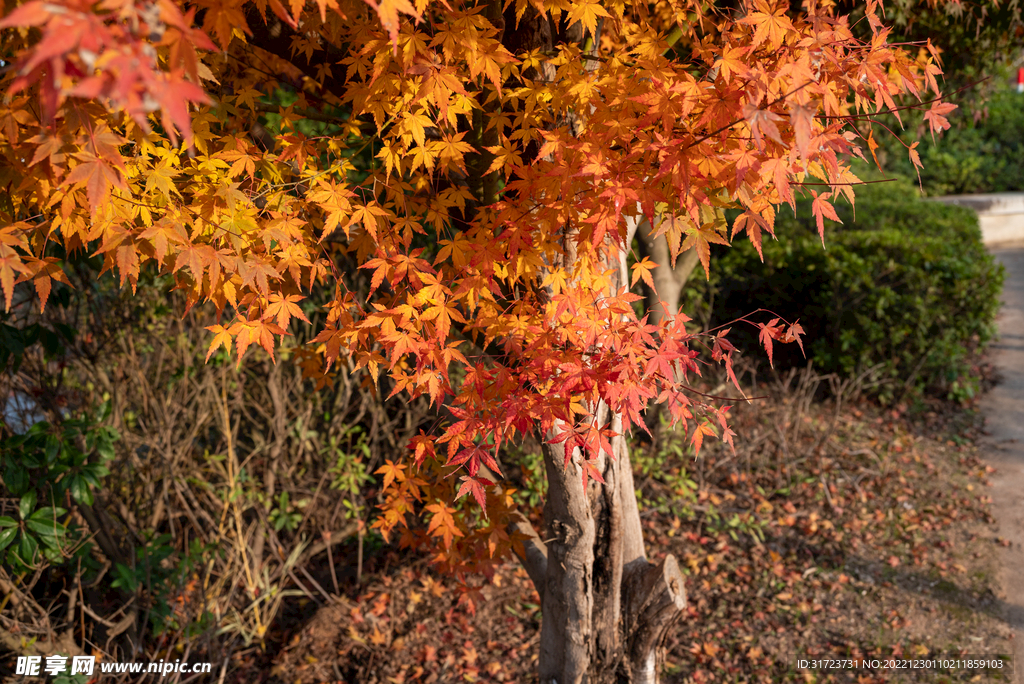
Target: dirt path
x=1003 y=447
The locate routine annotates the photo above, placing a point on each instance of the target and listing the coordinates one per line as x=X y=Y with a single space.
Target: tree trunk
x=605 y=607
x=669 y=280
x=665 y=298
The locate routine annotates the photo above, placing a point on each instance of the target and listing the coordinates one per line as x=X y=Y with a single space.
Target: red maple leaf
x=474 y=457
x=769 y=332
x=475 y=486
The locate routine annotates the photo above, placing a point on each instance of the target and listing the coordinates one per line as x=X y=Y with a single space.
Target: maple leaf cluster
x=466 y=208
x=111 y=56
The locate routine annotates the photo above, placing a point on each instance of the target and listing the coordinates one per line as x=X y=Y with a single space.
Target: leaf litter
x=842 y=532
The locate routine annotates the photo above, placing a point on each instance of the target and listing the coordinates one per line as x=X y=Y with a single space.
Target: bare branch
x=532 y=551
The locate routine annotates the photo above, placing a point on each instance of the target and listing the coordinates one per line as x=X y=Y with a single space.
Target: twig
x=223 y=670
x=330 y=539
x=327 y=597
x=828 y=495
x=330 y=562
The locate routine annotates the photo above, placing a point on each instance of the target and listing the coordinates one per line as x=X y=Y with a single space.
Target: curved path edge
x=1003 y=446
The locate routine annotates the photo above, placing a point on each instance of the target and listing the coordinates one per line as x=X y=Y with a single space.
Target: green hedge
x=906 y=284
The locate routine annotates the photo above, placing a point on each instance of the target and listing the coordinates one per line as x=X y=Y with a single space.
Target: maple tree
x=466 y=180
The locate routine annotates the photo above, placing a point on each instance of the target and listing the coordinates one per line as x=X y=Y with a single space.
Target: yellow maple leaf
x=222 y=337
x=769 y=24
x=587 y=12
x=161 y=177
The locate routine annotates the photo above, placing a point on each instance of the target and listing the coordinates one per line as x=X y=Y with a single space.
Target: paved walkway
x=1003 y=408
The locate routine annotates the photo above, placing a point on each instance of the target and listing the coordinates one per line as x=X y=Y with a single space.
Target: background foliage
x=903 y=286
x=981 y=152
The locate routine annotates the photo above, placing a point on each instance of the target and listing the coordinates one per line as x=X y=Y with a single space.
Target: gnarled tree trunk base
x=606 y=609
x=654 y=598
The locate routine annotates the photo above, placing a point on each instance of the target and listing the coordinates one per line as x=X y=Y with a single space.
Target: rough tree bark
x=605 y=607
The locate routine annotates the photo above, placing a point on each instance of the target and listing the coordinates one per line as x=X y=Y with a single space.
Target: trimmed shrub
x=905 y=286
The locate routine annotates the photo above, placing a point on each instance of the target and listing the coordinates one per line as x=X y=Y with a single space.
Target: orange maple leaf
x=700 y=237
x=392 y=472
x=442 y=523
x=642 y=270
x=389 y=12
x=822 y=209
x=10 y=263
x=770 y=24
x=283 y=308
x=42 y=273
x=97 y=176
x=257 y=332
x=936 y=116
x=731 y=62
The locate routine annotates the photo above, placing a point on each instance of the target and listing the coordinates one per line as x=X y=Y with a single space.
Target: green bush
x=905 y=286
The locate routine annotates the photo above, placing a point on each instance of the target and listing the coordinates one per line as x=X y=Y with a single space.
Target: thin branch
x=726 y=127
x=687 y=388
x=533 y=553
x=867 y=182
x=863 y=117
